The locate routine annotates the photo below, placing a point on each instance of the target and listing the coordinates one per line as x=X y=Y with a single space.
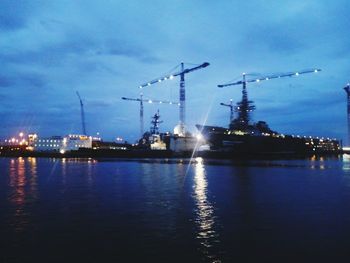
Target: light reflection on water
x=215 y=209
x=205 y=218
x=23 y=185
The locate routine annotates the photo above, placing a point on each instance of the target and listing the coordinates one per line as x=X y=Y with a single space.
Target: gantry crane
x=230 y=105
x=245 y=106
x=142 y=100
x=82 y=114
x=182 y=95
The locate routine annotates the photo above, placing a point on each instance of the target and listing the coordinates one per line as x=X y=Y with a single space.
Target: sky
x=105 y=49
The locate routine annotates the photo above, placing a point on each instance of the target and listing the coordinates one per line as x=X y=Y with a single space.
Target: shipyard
x=174 y=131
x=242 y=137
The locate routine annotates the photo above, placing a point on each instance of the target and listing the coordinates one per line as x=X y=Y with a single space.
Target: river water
x=174 y=210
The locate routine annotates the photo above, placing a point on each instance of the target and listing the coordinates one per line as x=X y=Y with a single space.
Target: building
x=71 y=142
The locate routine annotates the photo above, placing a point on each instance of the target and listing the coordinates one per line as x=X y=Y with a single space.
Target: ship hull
x=223 y=140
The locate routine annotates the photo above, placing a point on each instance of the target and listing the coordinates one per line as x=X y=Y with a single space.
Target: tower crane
x=82 y=113
x=182 y=95
x=245 y=106
x=230 y=105
x=142 y=100
x=347 y=90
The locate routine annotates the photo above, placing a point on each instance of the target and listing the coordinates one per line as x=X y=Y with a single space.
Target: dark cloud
x=26 y=80
x=5 y=81
x=12 y=15
x=277 y=37
x=15 y=14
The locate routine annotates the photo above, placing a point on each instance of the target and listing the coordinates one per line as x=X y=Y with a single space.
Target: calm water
x=85 y=210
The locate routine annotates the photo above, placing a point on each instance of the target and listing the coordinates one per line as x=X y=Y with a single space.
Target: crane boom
x=171 y=76
x=151 y=101
x=82 y=114
x=268 y=77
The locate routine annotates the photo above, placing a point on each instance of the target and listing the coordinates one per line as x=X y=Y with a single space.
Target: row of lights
x=285 y=75
x=161 y=102
x=170 y=77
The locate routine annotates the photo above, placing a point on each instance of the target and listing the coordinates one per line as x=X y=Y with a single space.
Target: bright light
x=257 y=80
x=171 y=77
x=62 y=151
x=140 y=87
x=170 y=102
x=199 y=137
x=149 y=101
x=149 y=84
x=316 y=71
x=160 y=102
x=159 y=80
x=297 y=74
x=21 y=134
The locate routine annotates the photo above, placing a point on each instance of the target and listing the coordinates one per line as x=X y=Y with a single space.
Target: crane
x=230 y=105
x=245 y=106
x=82 y=113
x=347 y=90
x=182 y=94
x=142 y=100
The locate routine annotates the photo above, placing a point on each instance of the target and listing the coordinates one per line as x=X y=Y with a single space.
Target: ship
x=243 y=137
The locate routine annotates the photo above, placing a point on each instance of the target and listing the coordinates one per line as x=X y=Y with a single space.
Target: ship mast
x=155 y=123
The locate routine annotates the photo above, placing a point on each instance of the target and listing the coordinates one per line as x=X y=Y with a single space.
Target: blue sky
x=106 y=49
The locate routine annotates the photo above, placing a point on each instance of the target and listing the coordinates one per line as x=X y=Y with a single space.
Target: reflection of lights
x=204 y=212
x=346 y=161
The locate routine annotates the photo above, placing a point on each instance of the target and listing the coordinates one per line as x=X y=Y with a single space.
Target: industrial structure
x=82 y=114
x=230 y=105
x=245 y=106
x=142 y=100
x=182 y=94
x=347 y=90
x=243 y=137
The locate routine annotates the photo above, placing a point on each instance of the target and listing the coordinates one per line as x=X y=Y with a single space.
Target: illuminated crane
x=245 y=106
x=82 y=114
x=231 y=109
x=142 y=100
x=182 y=94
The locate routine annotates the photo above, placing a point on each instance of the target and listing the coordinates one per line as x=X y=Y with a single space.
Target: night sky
x=106 y=49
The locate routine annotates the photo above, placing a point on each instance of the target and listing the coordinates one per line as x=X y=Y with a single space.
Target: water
x=110 y=210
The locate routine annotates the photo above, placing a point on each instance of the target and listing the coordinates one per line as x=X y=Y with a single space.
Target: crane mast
x=82 y=113
x=182 y=92
x=182 y=97
x=347 y=90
